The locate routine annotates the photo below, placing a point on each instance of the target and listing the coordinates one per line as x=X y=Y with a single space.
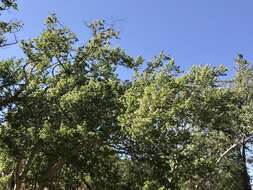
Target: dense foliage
x=68 y=121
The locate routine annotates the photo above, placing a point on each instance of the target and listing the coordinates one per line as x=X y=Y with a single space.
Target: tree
x=8 y=27
x=174 y=122
x=68 y=120
x=12 y=75
x=72 y=128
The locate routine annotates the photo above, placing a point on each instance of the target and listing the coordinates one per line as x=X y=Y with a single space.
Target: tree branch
x=241 y=142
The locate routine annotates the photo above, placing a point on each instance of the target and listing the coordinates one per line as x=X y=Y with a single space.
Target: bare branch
x=243 y=141
x=227 y=151
x=11 y=43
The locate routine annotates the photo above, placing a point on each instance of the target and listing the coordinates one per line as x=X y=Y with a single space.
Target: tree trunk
x=17 y=177
x=245 y=175
x=18 y=184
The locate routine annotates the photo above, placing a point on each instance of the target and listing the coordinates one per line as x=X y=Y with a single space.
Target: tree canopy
x=68 y=120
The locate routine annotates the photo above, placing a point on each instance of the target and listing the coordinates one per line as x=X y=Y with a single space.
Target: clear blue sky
x=192 y=31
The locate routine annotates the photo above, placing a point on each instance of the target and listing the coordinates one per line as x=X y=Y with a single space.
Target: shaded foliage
x=69 y=121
